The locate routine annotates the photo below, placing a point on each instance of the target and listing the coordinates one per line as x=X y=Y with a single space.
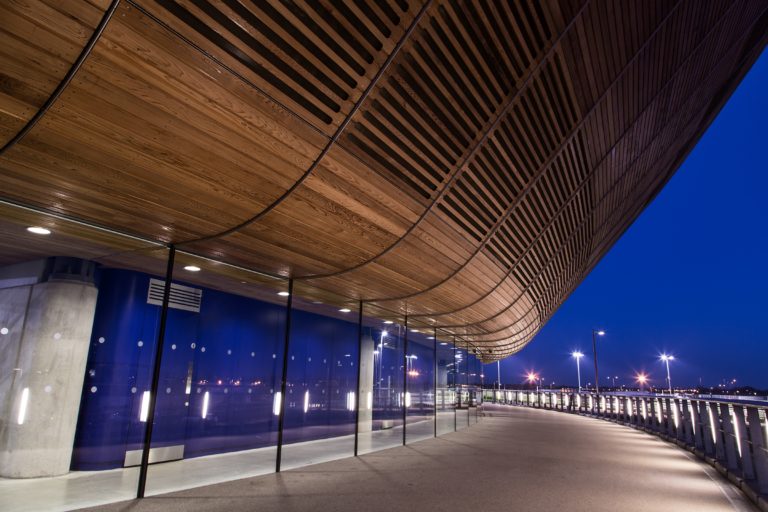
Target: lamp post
x=642 y=379
x=595 y=334
x=498 y=372
x=532 y=377
x=578 y=355
x=667 y=359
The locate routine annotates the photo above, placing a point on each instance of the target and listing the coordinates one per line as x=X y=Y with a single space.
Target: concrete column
x=365 y=416
x=45 y=334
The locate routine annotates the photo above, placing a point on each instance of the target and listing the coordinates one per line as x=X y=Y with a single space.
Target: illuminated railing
x=731 y=435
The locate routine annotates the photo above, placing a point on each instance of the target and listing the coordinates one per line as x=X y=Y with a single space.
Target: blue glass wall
x=322 y=377
x=421 y=386
x=221 y=375
x=446 y=387
x=229 y=351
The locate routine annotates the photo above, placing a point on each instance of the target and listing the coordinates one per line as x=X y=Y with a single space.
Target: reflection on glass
x=80 y=311
x=381 y=418
x=321 y=388
x=219 y=377
x=420 y=391
x=446 y=387
x=59 y=417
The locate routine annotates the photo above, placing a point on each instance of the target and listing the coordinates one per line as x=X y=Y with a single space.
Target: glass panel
x=475 y=379
x=321 y=391
x=446 y=386
x=381 y=416
x=462 y=385
x=70 y=410
x=215 y=417
x=420 y=389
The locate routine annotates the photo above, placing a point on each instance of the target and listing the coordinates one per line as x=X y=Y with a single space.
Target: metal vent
x=182 y=297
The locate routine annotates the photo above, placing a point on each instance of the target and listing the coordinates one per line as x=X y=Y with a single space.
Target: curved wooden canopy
x=464 y=162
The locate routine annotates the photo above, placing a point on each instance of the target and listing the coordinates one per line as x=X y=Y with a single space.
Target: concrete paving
x=514 y=459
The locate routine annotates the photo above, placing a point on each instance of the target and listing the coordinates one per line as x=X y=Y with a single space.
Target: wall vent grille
x=182 y=297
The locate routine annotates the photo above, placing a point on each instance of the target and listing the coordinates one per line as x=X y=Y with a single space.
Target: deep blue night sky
x=689 y=277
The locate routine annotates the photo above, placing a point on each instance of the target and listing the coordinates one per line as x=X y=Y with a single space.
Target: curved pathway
x=514 y=459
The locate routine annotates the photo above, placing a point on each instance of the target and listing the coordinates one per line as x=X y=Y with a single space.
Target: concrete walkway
x=515 y=459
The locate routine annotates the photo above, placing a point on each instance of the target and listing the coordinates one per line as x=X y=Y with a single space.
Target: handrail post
x=670 y=417
x=730 y=445
x=688 y=423
x=707 y=428
x=680 y=424
x=719 y=441
x=740 y=430
x=759 y=449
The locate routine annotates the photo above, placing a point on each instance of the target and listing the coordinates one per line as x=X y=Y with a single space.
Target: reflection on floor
x=89 y=488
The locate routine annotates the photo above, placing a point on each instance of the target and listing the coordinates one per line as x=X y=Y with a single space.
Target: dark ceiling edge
x=337 y=134
x=458 y=171
x=86 y=51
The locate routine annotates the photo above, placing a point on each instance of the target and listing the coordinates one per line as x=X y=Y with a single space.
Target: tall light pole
x=578 y=355
x=667 y=359
x=641 y=379
x=532 y=377
x=498 y=372
x=595 y=334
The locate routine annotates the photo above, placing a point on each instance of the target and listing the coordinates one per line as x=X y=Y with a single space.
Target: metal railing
x=730 y=435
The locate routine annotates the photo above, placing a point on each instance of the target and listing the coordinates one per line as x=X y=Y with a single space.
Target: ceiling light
x=414 y=330
x=344 y=310
x=192 y=268
x=388 y=322
x=39 y=230
x=283 y=294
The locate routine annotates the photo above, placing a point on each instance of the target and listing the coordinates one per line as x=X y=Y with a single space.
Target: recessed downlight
x=283 y=294
x=39 y=230
x=192 y=268
x=344 y=310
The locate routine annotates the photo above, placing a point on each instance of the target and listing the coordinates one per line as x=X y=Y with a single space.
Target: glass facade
x=420 y=388
x=130 y=367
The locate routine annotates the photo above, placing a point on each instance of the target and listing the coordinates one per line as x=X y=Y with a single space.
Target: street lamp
x=667 y=359
x=595 y=334
x=641 y=379
x=578 y=355
x=532 y=377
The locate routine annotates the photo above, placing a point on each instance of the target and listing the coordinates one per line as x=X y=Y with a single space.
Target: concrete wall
x=43 y=357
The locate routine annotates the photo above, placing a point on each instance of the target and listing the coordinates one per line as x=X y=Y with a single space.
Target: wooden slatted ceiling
x=464 y=162
x=39 y=43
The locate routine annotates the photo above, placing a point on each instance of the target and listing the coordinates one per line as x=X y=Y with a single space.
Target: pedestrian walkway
x=514 y=459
